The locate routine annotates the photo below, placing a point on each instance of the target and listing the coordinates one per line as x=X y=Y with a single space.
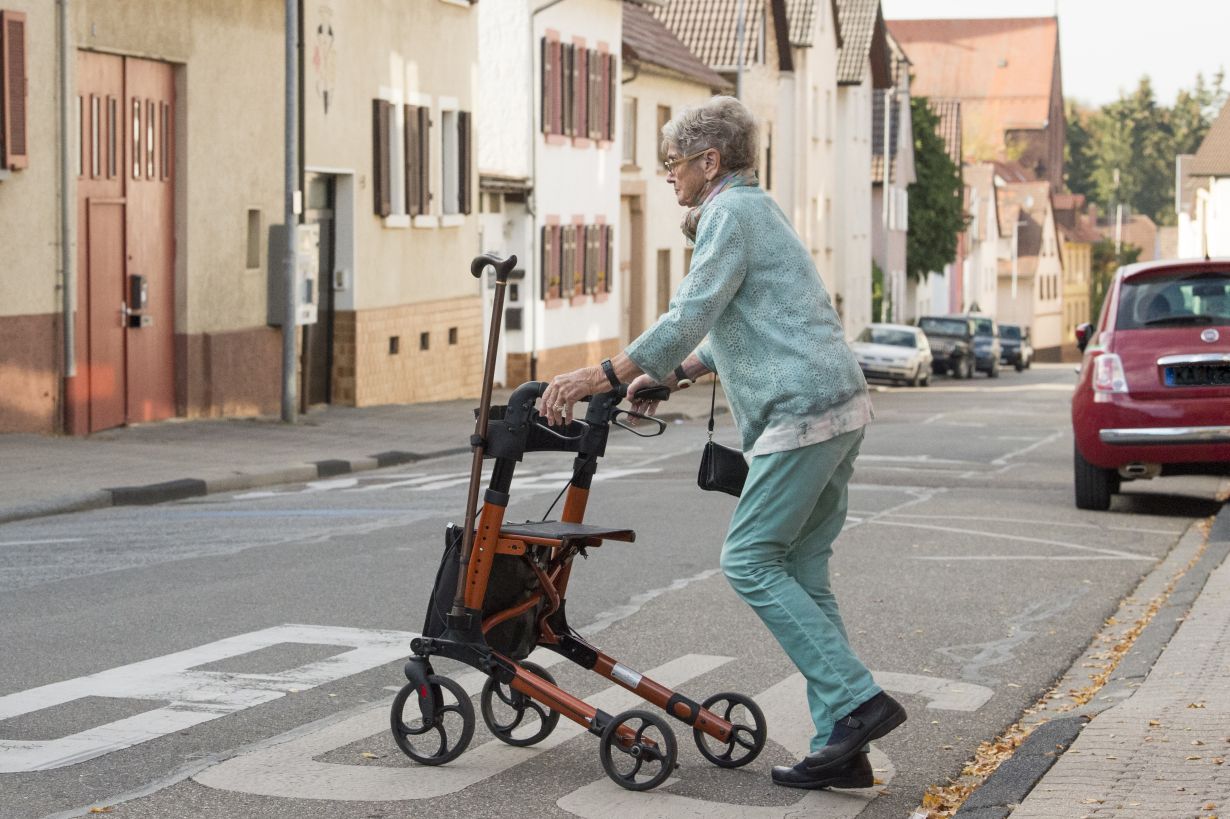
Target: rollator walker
x=500 y=592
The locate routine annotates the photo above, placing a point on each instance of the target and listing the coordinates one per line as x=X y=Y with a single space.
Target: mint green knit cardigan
x=773 y=335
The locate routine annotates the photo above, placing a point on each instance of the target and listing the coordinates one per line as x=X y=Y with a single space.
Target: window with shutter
x=611 y=95
x=592 y=235
x=565 y=277
x=548 y=84
x=381 y=195
x=14 y=152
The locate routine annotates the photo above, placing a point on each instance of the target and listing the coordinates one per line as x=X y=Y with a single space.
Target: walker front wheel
x=638 y=750
x=434 y=724
x=747 y=734
x=504 y=710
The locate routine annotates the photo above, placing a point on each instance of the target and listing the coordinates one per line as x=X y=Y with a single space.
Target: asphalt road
x=236 y=655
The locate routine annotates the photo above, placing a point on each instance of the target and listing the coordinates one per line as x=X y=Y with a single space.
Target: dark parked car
x=952 y=344
x=1154 y=391
x=986 y=345
x=1015 y=348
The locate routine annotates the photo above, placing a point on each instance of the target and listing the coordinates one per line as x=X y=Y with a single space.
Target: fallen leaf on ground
x=369 y=755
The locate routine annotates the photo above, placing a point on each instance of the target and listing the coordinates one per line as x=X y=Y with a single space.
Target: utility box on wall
x=306 y=270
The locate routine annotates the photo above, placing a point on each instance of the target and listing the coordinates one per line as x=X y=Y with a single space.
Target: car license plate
x=1198 y=375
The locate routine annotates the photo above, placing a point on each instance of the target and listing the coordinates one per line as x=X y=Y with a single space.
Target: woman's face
x=689 y=173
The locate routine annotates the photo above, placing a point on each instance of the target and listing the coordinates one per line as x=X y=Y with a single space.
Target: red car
x=1154 y=391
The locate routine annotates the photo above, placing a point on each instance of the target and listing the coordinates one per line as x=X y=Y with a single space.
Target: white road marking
x=1003 y=459
x=790 y=725
x=1095 y=526
x=192 y=697
x=1001 y=536
x=40 y=542
x=308 y=488
x=289 y=769
x=942 y=694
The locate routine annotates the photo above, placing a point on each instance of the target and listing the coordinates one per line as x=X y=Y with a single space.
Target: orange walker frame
x=507 y=585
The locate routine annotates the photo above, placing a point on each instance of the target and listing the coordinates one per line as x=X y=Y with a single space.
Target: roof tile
x=1213 y=157
x=647 y=40
x=708 y=29
x=1001 y=69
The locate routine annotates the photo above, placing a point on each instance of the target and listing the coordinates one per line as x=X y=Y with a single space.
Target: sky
x=1106 y=45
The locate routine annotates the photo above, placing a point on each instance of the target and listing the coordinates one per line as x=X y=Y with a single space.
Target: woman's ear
x=713 y=161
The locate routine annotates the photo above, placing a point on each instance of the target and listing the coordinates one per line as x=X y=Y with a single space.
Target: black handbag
x=722 y=469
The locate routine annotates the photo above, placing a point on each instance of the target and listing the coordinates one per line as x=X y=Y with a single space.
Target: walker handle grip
x=502 y=266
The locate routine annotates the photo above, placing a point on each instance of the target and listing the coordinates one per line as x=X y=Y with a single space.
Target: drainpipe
x=68 y=268
x=291 y=170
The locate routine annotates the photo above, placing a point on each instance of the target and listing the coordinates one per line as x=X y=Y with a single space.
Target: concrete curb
x=1012 y=781
x=193 y=487
x=184 y=488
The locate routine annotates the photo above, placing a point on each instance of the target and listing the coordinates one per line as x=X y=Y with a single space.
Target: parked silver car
x=894 y=352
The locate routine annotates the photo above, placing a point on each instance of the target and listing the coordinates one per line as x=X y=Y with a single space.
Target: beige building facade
x=389 y=97
x=176 y=182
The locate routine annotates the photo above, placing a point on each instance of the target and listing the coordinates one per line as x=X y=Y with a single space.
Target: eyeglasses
x=671 y=164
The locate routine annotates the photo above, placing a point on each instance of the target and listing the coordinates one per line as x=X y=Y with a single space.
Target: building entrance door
x=126 y=256
x=318 y=341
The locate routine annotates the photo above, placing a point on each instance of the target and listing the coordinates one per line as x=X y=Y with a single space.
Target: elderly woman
x=753 y=309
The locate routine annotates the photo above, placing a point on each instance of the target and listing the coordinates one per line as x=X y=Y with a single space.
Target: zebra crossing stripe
x=289 y=768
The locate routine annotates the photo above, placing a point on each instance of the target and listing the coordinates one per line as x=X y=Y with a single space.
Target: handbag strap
x=712 y=406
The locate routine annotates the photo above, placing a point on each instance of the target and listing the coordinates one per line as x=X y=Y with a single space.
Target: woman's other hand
x=641 y=382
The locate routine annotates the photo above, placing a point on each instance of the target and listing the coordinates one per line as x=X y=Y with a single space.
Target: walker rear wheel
x=643 y=755
x=504 y=710
x=432 y=725
x=747 y=735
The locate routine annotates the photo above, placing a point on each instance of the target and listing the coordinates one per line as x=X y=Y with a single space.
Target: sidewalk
x=1161 y=748
x=152 y=463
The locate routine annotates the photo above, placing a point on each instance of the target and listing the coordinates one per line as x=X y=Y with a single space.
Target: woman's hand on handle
x=567 y=389
x=639 y=383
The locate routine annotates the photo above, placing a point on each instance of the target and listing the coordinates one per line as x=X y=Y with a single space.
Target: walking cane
x=478 y=442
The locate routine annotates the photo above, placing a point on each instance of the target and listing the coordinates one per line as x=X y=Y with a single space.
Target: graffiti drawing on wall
x=324 y=57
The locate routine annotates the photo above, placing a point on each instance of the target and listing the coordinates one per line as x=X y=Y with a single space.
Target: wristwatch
x=609 y=370
x=681 y=378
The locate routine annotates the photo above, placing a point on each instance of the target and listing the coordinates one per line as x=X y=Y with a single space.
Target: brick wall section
x=558 y=360
x=30 y=373
x=367 y=373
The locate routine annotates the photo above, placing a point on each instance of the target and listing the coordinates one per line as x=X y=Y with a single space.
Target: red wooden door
x=125 y=218
x=148 y=109
x=105 y=286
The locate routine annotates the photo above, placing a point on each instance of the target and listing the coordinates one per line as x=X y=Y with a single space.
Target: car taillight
x=1108 y=374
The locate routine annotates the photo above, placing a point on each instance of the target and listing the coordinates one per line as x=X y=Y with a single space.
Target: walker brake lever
x=639 y=417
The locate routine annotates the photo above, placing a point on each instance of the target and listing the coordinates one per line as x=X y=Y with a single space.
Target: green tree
x=1103 y=263
x=936 y=210
x=877 y=292
x=1077 y=167
x=1124 y=153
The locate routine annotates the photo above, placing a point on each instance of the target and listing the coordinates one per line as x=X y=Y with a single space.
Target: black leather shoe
x=855 y=773
x=871 y=720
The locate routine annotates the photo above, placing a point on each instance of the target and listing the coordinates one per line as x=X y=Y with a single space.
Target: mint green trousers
x=776 y=557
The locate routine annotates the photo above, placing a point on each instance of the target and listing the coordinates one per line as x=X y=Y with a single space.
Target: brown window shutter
x=463 y=153
x=14 y=152
x=581 y=74
x=565 y=266
x=557 y=261
x=607 y=267
x=578 y=260
x=565 y=53
x=612 y=94
x=544 y=262
x=548 y=86
x=414 y=193
x=381 y=110
x=425 y=194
